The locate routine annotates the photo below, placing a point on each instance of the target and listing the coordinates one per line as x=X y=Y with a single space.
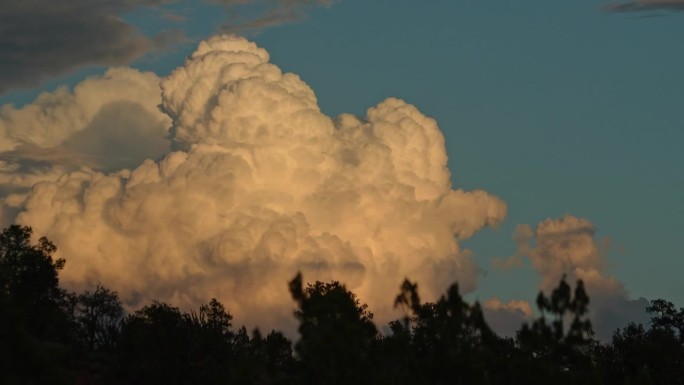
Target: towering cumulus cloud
x=259 y=185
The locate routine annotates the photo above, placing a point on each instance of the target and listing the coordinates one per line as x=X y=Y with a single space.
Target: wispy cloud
x=40 y=40
x=645 y=5
x=273 y=12
x=43 y=39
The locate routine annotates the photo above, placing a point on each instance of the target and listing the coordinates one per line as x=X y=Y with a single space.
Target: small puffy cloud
x=261 y=185
x=568 y=247
x=646 y=5
x=506 y=318
x=43 y=39
x=522 y=307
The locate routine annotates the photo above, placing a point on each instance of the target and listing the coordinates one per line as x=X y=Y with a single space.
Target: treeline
x=51 y=336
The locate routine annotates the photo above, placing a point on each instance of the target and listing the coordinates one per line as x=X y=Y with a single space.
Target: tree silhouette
x=99 y=315
x=160 y=344
x=548 y=349
x=448 y=340
x=35 y=327
x=665 y=316
x=637 y=355
x=272 y=359
x=29 y=283
x=336 y=333
x=48 y=335
x=153 y=347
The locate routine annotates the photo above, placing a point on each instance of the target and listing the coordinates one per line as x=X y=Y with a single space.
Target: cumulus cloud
x=646 y=5
x=260 y=184
x=568 y=247
x=106 y=123
x=42 y=39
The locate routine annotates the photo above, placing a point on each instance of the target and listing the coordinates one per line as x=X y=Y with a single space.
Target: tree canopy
x=50 y=335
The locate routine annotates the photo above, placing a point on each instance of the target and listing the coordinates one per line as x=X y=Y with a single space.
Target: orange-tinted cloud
x=261 y=184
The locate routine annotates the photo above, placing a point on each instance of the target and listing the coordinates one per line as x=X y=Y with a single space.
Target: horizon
x=500 y=146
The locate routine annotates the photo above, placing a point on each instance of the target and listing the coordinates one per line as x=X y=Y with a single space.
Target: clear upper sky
x=556 y=107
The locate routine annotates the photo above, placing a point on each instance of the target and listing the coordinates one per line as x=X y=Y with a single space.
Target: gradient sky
x=555 y=107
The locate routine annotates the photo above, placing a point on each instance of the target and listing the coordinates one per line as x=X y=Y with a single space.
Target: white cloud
x=105 y=123
x=119 y=106
x=262 y=185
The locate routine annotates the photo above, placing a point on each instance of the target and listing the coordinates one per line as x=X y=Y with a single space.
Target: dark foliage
x=638 y=355
x=559 y=356
x=48 y=335
x=336 y=334
x=34 y=325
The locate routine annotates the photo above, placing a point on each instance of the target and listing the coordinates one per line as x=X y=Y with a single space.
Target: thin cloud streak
x=276 y=12
x=645 y=5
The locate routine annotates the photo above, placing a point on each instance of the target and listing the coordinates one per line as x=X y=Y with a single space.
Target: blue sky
x=555 y=107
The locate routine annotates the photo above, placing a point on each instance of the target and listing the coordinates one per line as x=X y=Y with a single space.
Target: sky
x=565 y=116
